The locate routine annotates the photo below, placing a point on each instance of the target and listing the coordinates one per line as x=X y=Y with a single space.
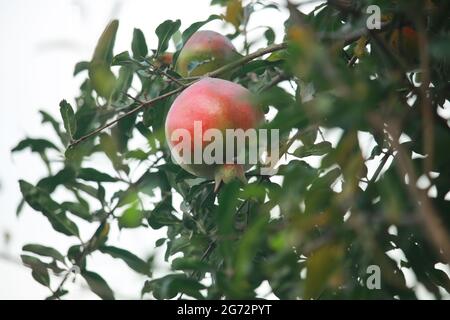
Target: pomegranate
x=205 y=51
x=210 y=104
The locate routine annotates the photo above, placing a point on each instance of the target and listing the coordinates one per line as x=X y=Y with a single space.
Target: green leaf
x=308 y=138
x=40 y=201
x=88 y=189
x=269 y=34
x=123 y=84
x=162 y=216
x=122 y=59
x=180 y=244
x=101 y=193
x=134 y=262
x=77 y=209
x=80 y=66
x=176 y=39
x=143 y=130
x=441 y=278
x=103 y=80
x=245 y=250
x=36 y=145
x=258 y=67
x=193 y=28
x=110 y=147
x=225 y=215
x=376 y=151
x=47 y=118
x=100 y=236
x=91 y=174
x=219 y=2
x=190 y=264
x=65 y=176
x=85 y=116
x=160 y=242
x=137 y=154
x=275 y=96
x=68 y=117
x=123 y=131
x=326 y=180
x=98 y=285
x=164 y=32
x=57 y=295
x=44 y=251
x=41 y=276
x=20 y=207
x=318 y=149
x=39 y=269
x=440 y=47
x=150 y=181
x=228 y=198
x=138 y=45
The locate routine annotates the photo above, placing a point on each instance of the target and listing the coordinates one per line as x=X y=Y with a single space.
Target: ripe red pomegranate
x=218 y=104
x=205 y=51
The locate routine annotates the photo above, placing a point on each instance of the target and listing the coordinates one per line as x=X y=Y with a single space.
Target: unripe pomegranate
x=204 y=52
x=212 y=104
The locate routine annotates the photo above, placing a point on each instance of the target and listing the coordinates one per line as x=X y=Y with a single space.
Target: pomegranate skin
x=218 y=104
x=204 y=52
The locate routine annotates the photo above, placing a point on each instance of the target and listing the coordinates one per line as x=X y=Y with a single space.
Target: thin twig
x=276 y=80
x=132 y=98
x=165 y=74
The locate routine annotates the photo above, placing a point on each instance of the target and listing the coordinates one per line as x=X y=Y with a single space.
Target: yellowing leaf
x=103 y=79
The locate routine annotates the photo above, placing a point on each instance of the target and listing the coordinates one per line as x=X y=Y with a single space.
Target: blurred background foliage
x=312 y=230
